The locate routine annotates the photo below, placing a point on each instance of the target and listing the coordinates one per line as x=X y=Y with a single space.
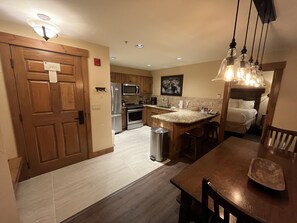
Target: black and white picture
x=172 y=85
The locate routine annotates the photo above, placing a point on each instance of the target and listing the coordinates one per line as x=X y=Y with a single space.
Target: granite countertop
x=161 y=107
x=183 y=116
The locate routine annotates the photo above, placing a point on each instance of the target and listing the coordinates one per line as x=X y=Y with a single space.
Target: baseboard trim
x=102 y=152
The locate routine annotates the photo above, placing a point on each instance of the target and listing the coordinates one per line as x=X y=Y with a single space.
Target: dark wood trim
x=15 y=167
x=224 y=111
x=12 y=96
x=274 y=66
x=102 y=152
x=278 y=68
x=84 y=63
x=248 y=94
x=41 y=44
x=274 y=92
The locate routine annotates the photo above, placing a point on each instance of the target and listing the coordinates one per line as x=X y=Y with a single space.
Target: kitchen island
x=177 y=123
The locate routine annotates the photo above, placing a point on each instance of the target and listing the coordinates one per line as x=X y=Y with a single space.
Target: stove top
x=131 y=106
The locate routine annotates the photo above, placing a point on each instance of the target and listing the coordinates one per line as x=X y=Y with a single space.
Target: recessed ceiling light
x=139 y=46
x=113 y=58
x=149 y=65
x=43 y=17
x=179 y=58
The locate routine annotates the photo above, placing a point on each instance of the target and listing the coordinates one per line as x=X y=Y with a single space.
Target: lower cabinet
x=144 y=116
x=153 y=111
x=124 y=118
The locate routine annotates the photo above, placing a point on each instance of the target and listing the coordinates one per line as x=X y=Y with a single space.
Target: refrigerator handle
x=112 y=98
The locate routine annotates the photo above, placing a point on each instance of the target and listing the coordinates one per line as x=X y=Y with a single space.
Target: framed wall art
x=172 y=85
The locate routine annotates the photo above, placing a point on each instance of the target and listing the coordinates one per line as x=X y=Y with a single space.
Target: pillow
x=234 y=103
x=246 y=104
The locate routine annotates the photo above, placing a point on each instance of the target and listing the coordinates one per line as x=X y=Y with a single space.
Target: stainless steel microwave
x=130 y=89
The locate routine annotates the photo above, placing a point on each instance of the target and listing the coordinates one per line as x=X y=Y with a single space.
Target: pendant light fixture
x=244 y=65
x=267 y=26
x=239 y=69
x=255 y=80
x=259 y=79
x=229 y=66
x=248 y=77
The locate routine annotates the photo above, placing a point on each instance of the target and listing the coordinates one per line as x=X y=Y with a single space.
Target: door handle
x=81 y=117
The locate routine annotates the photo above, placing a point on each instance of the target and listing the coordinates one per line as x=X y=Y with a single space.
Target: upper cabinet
x=133 y=79
x=144 y=82
x=116 y=78
x=146 y=85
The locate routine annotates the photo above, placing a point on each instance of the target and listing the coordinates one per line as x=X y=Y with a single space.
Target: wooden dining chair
x=281 y=139
x=219 y=203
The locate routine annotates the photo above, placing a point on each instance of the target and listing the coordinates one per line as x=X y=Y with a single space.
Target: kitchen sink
x=163 y=106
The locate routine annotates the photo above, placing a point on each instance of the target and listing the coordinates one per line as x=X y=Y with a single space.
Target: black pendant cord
x=264 y=46
x=244 y=50
x=267 y=26
x=257 y=61
x=251 y=60
x=233 y=42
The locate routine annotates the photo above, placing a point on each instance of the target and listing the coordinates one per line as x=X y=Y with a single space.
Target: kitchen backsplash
x=190 y=103
x=135 y=99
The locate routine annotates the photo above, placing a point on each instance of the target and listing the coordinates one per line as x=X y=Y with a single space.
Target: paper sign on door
x=52 y=71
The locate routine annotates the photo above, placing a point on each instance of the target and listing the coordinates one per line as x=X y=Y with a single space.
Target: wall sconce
x=43 y=28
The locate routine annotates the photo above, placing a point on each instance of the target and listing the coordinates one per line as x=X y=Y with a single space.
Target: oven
x=134 y=116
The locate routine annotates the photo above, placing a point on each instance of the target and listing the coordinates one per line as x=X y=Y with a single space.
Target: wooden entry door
x=54 y=135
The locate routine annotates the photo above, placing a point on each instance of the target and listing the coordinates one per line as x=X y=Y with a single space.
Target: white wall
x=286 y=107
x=196 y=82
x=8 y=208
x=8 y=134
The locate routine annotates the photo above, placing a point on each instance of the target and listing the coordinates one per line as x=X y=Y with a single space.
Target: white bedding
x=240 y=115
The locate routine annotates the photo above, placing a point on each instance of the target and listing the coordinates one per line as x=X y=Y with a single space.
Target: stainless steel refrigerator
x=116 y=106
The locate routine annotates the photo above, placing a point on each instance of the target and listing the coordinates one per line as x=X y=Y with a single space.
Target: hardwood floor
x=152 y=198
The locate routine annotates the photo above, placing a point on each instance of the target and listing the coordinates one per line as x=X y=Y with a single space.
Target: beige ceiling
x=196 y=30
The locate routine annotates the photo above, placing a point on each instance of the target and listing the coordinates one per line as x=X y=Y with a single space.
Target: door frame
x=278 y=68
x=7 y=40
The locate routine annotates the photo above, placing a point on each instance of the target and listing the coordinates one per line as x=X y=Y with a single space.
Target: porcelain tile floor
x=55 y=196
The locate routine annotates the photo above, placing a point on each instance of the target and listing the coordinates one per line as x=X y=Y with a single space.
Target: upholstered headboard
x=248 y=94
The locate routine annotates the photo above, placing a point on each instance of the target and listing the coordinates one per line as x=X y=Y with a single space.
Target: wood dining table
x=227 y=167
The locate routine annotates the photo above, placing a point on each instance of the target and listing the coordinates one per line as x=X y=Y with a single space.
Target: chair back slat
x=280 y=139
x=220 y=202
x=226 y=215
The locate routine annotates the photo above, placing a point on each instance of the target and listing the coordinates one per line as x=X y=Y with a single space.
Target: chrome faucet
x=166 y=102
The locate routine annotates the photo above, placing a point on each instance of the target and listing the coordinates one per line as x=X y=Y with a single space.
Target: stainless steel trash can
x=158 y=144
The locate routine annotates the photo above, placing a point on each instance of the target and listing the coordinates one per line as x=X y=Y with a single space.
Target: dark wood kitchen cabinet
x=146 y=85
x=145 y=82
x=133 y=79
x=150 y=111
x=124 y=118
x=144 y=111
x=115 y=78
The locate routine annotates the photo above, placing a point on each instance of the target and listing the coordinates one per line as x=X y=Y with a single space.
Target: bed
x=243 y=109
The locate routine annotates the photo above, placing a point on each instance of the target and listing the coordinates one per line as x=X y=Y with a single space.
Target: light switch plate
x=95 y=107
